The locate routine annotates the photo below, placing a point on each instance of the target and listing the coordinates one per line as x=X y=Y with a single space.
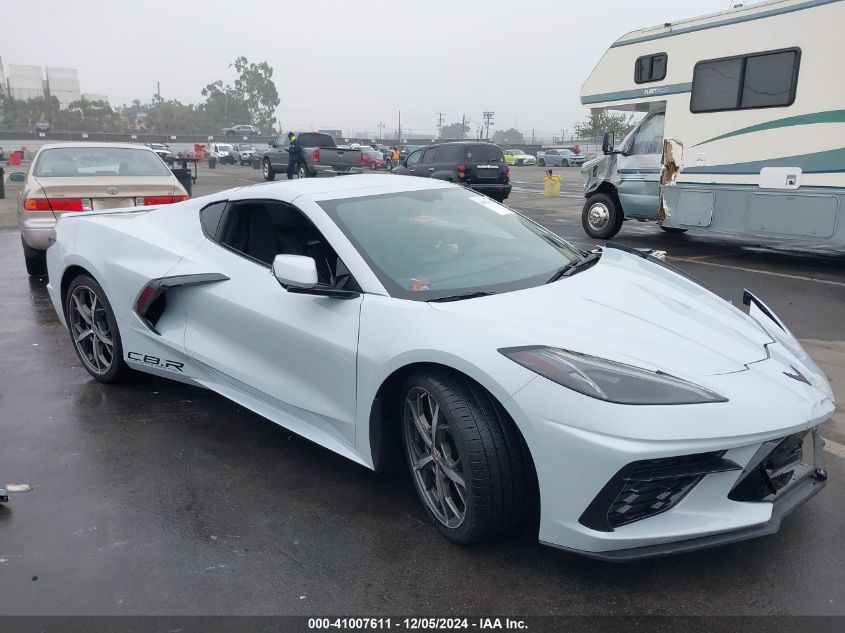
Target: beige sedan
x=67 y=177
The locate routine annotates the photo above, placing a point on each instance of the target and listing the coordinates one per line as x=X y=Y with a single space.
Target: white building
x=25 y=82
x=91 y=97
x=63 y=83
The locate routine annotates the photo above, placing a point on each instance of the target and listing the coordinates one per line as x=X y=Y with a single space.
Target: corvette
x=636 y=412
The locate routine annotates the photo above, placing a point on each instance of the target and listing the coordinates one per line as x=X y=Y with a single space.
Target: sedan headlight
x=608 y=380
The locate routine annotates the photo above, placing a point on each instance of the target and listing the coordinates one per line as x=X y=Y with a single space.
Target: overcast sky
x=344 y=63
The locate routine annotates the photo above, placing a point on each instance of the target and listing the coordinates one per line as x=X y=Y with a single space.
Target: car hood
x=624 y=308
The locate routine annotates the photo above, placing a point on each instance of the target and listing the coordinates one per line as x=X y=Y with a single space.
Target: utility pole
x=488 y=121
x=463 y=125
x=158 y=91
x=380 y=131
x=532 y=136
x=440 y=116
x=399 y=132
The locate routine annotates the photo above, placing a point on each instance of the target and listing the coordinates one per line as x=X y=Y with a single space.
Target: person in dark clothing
x=294 y=153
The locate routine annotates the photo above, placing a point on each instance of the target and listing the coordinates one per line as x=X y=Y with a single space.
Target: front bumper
x=579 y=445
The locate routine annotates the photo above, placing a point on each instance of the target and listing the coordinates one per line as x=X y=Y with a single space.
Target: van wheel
x=267 y=169
x=36 y=261
x=672 y=229
x=601 y=218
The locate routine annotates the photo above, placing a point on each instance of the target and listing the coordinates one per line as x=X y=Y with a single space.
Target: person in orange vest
x=395 y=155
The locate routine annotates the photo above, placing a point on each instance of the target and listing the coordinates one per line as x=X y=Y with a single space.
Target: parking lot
x=158 y=498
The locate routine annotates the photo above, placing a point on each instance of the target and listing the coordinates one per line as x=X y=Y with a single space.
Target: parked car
x=86 y=177
x=244 y=130
x=371 y=158
x=479 y=166
x=163 y=150
x=561 y=157
x=405 y=150
x=242 y=153
x=520 y=377
x=519 y=158
x=320 y=154
x=223 y=152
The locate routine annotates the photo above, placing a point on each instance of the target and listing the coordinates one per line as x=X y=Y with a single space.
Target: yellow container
x=551 y=185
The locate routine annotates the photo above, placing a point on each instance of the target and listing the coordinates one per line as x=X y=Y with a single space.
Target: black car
x=480 y=166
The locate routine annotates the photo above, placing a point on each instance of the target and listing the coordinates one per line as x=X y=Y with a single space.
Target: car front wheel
x=542 y=163
x=267 y=170
x=469 y=464
x=601 y=217
x=93 y=330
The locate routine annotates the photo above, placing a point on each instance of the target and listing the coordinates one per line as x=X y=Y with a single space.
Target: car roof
x=338 y=187
x=95 y=144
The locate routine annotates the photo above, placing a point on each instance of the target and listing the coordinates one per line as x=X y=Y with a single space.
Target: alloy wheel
x=90 y=328
x=434 y=458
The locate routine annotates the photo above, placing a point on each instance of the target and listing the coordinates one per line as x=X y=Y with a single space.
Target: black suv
x=479 y=166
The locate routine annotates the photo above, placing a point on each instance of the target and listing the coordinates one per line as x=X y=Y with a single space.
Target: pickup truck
x=320 y=155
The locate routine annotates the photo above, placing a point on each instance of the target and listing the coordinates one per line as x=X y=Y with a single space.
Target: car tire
x=302 y=171
x=672 y=229
x=100 y=350
x=35 y=260
x=541 y=163
x=373 y=165
x=267 y=170
x=601 y=217
x=477 y=480
x=564 y=163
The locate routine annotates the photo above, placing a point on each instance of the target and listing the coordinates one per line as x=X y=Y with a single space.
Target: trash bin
x=2 y=184
x=212 y=162
x=183 y=175
x=15 y=158
x=551 y=185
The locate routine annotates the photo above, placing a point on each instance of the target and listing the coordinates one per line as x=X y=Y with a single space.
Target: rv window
x=650 y=68
x=761 y=80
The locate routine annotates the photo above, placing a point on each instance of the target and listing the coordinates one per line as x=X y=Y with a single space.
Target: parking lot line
x=772 y=273
x=834 y=448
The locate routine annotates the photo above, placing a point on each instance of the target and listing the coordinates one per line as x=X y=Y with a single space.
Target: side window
x=760 y=80
x=649 y=138
x=429 y=156
x=650 y=68
x=449 y=154
x=261 y=229
x=210 y=218
x=414 y=158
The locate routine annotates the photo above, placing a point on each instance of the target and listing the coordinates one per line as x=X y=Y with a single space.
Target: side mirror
x=295 y=271
x=608 y=143
x=17 y=176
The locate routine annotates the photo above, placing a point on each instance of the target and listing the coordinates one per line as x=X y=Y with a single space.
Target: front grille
x=648 y=487
x=775 y=467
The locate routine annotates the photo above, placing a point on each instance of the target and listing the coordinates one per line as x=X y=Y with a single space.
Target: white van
x=744 y=129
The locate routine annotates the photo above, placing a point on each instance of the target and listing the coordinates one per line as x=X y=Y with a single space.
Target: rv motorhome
x=744 y=130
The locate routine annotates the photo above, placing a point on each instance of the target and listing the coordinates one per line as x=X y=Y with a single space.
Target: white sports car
x=639 y=413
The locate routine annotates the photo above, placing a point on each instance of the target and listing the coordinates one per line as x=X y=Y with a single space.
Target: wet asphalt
x=159 y=498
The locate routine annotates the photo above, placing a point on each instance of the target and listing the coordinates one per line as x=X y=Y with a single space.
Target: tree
x=175 y=117
x=253 y=98
x=601 y=121
x=508 y=137
x=453 y=130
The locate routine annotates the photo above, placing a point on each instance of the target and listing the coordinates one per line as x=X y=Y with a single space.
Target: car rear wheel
x=302 y=171
x=672 y=229
x=601 y=217
x=564 y=163
x=93 y=330
x=36 y=260
x=373 y=165
x=542 y=163
x=469 y=464
x=267 y=170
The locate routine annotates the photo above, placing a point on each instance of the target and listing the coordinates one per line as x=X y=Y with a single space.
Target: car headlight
x=608 y=380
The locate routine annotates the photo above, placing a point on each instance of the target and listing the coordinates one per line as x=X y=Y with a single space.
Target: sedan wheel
x=93 y=330
x=469 y=464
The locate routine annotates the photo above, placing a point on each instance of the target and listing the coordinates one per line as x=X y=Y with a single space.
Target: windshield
x=223 y=148
x=99 y=161
x=424 y=245
x=157 y=146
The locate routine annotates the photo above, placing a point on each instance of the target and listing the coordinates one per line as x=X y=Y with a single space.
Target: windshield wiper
x=573 y=267
x=460 y=297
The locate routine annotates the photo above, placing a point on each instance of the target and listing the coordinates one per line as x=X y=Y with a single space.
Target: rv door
x=638 y=168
